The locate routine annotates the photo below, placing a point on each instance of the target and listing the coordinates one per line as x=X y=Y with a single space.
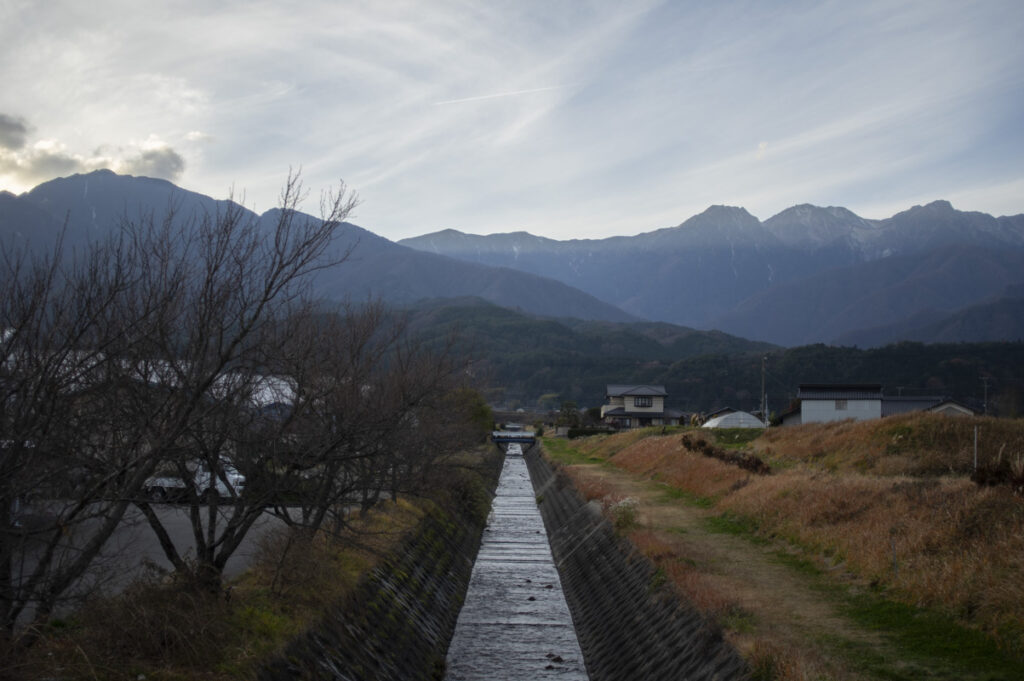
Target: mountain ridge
x=807 y=274
x=725 y=269
x=86 y=207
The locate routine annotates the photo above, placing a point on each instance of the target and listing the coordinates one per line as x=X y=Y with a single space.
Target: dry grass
x=604 y=447
x=875 y=500
x=701 y=588
x=591 y=488
x=667 y=460
x=941 y=543
x=917 y=444
x=770 y=659
x=160 y=629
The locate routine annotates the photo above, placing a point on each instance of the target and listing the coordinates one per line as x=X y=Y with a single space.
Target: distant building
x=790 y=417
x=825 y=402
x=637 y=406
x=934 y=404
x=952 y=408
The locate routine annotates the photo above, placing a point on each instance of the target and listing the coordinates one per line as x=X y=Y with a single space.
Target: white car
x=172 y=486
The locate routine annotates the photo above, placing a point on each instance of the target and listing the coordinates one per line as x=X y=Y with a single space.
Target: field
x=867 y=551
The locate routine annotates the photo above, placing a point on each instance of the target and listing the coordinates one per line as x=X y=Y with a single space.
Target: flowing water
x=515 y=624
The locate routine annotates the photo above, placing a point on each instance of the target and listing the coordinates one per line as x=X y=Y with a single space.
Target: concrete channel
x=514 y=624
x=597 y=611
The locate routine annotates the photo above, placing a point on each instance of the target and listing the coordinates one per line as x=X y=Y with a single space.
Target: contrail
x=499 y=94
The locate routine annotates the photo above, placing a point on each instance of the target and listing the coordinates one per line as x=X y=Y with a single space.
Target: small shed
x=734 y=419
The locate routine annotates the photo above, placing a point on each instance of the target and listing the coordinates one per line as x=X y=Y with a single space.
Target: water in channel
x=515 y=624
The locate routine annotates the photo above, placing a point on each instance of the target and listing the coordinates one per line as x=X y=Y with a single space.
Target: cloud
x=513 y=93
x=44 y=160
x=455 y=117
x=163 y=162
x=13 y=132
x=23 y=165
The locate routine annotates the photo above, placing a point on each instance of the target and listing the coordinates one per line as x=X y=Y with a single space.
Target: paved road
x=134 y=545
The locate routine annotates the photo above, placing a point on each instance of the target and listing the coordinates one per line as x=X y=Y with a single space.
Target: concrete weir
x=514 y=623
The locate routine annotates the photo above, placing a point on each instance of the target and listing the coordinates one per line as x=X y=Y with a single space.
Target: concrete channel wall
x=629 y=627
x=398 y=624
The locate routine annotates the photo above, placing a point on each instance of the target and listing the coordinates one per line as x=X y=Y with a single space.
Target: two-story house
x=637 y=406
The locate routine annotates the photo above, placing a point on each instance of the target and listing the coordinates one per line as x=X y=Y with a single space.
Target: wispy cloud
x=569 y=119
x=499 y=95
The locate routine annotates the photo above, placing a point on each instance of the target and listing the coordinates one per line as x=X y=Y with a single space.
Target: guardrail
x=505 y=436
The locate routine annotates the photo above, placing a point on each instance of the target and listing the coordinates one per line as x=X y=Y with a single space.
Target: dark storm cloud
x=164 y=163
x=13 y=132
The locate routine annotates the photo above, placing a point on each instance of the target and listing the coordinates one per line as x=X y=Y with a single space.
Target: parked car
x=172 y=486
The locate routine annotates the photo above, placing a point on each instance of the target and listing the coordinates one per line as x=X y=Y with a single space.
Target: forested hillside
x=531 y=362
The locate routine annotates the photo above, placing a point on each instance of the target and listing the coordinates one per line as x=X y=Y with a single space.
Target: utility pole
x=764 y=395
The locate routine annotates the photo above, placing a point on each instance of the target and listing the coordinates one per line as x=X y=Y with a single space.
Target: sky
x=572 y=119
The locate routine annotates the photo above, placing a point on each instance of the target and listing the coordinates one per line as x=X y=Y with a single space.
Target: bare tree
x=239 y=287
x=144 y=351
x=191 y=346
x=59 y=503
x=370 y=415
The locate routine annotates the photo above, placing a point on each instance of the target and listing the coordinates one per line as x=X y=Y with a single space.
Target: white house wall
x=824 y=411
x=613 y=403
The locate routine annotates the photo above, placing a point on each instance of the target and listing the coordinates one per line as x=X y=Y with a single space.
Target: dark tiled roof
x=840 y=391
x=720 y=412
x=617 y=390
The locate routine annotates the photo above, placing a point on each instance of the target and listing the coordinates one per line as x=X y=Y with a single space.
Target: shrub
x=624 y=514
x=584 y=432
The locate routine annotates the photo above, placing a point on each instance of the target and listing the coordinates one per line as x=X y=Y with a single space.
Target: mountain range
x=88 y=206
x=807 y=275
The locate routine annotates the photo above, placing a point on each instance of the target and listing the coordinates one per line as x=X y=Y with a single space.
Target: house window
x=643 y=401
x=840 y=405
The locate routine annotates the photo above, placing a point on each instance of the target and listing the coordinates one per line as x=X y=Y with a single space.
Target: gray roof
x=947 y=401
x=617 y=390
x=668 y=413
x=839 y=391
x=902 y=405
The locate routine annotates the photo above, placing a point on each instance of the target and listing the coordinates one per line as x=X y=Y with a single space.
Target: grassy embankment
x=910 y=569
x=159 y=629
